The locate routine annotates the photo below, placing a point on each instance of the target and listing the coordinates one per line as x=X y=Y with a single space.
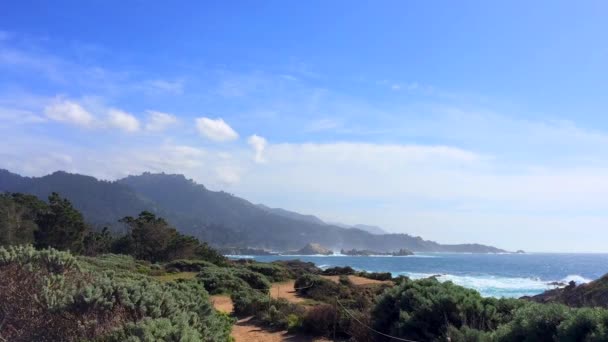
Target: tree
x=95 y=243
x=150 y=236
x=60 y=226
x=18 y=214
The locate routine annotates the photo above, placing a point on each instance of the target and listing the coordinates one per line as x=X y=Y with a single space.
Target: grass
x=175 y=276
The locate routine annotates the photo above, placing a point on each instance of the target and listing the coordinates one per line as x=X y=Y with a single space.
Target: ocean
x=496 y=275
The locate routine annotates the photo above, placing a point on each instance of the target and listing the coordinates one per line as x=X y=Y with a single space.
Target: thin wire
x=370 y=328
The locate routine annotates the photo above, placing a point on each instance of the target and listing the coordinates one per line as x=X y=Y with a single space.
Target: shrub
x=466 y=334
x=297 y=268
x=47 y=297
x=227 y=280
x=249 y=302
x=279 y=313
x=585 y=324
x=345 y=280
x=221 y=280
x=321 y=289
x=185 y=265
x=533 y=322
x=424 y=309
x=347 y=270
x=274 y=272
x=255 y=280
x=382 y=276
x=320 y=319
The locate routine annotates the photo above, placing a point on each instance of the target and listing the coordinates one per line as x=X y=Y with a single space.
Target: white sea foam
x=489 y=285
x=576 y=278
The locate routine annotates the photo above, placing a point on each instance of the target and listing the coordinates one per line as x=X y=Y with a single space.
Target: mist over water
x=496 y=275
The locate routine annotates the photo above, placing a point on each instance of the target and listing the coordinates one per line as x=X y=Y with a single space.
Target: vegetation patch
x=46 y=295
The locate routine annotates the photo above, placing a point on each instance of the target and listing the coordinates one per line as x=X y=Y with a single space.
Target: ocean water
x=496 y=275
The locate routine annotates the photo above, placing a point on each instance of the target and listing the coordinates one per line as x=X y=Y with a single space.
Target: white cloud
x=123 y=120
x=69 y=112
x=258 y=144
x=215 y=129
x=159 y=121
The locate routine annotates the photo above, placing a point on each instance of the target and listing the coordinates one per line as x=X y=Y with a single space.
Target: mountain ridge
x=222 y=219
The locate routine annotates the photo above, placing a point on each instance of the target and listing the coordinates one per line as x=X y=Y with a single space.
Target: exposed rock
x=311 y=249
x=365 y=252
x=592 y=294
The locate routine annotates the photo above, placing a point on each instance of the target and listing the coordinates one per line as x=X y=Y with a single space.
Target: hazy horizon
x=461 y=123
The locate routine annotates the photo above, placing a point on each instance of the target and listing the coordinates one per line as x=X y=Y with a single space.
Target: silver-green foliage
x=68 y=303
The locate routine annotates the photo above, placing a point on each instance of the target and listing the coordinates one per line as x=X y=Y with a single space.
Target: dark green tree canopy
x=60 y=226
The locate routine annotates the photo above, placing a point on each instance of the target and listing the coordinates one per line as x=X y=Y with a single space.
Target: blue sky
x=458 y=121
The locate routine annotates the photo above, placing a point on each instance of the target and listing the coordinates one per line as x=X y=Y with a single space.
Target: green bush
x=186 y=265
x=320 y=289
x=227 y=280
x=424 y=309
x=586 y=324
x=46 y=296
x=221 y=280
x=347 y=270
x=382 y=276
x=320 y=319
x=533 y=322
x=274 y=272
x=256 y=280
x=249 y=302
x=297 y=268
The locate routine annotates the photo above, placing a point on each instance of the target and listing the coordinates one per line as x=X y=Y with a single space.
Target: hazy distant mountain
x=313 y=219
x=293 y=215
x=214 y=216
x=370 y=229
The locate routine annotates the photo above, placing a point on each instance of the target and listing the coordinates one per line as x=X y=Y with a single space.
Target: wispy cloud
x=258 y=144
x=70 y=112
x=159 y=121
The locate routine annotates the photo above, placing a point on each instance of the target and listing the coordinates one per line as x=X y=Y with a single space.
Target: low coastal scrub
x=273 y=272
x=430 y=310
x=382 y=276
x=47 y=296
x=320 y=289
x=187 y=265
x=346 y=270
x=218 y=280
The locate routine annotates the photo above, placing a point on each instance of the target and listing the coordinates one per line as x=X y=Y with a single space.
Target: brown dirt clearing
x=285 y=290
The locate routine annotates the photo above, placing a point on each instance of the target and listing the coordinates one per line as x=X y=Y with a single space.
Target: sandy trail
x=245 y=331
x=222 y=303
x=285 y=290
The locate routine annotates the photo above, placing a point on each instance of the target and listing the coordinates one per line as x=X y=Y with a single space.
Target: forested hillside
x=220 y=218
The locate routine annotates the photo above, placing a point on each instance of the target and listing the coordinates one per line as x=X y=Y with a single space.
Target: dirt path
x=222 y=303
x=356 y=280
x=285 y=290
x=245 y=331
